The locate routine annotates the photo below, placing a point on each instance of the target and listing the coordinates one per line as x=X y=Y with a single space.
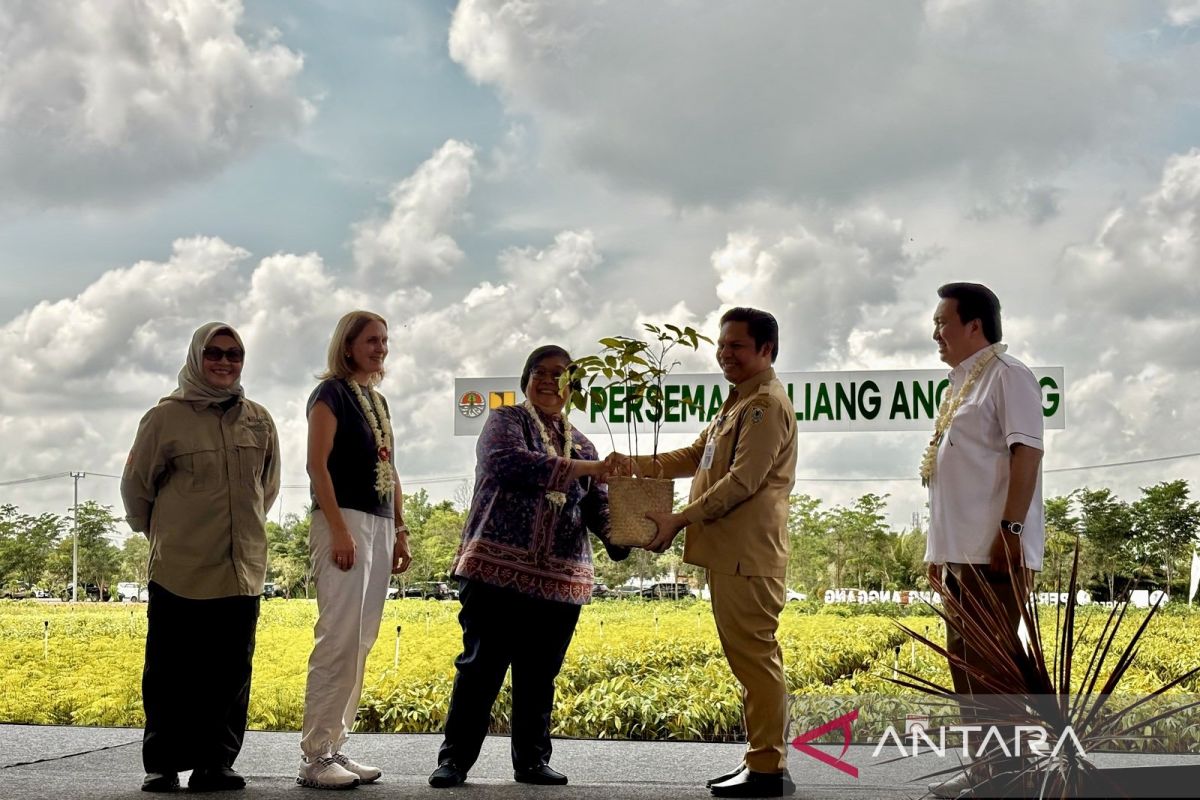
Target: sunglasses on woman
x=233 y=355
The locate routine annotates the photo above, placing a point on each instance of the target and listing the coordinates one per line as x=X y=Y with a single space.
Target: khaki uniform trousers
x=747 y=609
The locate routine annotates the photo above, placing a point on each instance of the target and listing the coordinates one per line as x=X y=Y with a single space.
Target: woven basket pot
x=628 y=501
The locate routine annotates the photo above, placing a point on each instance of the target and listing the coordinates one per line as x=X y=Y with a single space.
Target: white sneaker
x=365 y=774
x=324 y=772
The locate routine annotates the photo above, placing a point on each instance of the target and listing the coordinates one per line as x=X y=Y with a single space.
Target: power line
x=36 y=479
x=799 y=478
x=1125 y=463
x=403 y=480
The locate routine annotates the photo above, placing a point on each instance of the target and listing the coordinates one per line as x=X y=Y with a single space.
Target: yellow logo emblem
x=497 y=399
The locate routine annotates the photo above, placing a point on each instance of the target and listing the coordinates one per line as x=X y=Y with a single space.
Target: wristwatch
x=1014 y=528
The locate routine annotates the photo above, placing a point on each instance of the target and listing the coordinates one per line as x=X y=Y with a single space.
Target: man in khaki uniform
x=744 y=466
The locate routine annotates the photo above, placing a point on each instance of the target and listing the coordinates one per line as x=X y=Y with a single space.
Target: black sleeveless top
x=353 y=457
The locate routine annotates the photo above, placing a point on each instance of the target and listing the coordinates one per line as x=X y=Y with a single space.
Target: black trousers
x=196 y=682
x=502 y=627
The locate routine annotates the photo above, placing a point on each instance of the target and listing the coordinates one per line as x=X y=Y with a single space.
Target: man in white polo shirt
x=983 y=469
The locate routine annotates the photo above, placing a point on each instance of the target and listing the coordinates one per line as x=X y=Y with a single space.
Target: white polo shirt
x=970 y=482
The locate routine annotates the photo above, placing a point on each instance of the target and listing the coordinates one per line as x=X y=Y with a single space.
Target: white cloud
x=1036 y=204
x=544 y=298
x=848 y=285
x=82 y=370
x=116 y=100
x=414 y=239
x=1183 y=12
x=112 y=340
x=812 y=100
x=1133 y=292
x=1145 y=262
x=819 y=279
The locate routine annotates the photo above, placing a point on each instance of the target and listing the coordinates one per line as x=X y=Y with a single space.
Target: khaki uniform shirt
x=737 y=516
x=198 y=483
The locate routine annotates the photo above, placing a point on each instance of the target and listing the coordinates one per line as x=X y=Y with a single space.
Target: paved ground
x=53 y=763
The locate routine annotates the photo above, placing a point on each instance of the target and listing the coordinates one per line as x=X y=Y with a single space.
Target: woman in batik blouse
x=525 y=566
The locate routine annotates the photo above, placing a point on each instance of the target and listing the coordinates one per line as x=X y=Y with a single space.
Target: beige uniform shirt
x=737 y=516
x=198 y=483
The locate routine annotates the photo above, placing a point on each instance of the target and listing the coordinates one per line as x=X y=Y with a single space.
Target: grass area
x=635 y=669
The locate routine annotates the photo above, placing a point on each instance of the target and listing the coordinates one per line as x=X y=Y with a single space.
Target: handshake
x=616 y=464
x=621 y=465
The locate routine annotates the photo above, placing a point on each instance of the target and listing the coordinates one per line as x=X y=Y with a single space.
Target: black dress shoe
x=447 y=775
x=161 y=782
x=728 y=775
x=749 y=783
x=542 y=774
x=215 y=779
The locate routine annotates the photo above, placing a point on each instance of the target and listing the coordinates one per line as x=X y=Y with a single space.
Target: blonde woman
x=201 y=475
x=358 y=538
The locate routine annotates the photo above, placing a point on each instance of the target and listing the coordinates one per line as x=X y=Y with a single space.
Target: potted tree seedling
x=638 y=367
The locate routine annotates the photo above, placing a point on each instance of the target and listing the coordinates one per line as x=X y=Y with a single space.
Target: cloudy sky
x=495 y=174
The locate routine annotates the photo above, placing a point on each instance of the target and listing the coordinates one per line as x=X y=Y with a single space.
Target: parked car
x=89 y=592
x=792 y=594
x=271 y=590
x=599 y=590
x=428 y=590
x=628 y=591
x=17 y=590
x=128 y=591
x=668 y=591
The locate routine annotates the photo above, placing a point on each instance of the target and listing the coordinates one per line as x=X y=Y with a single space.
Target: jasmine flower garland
x=385 y=481
x=949 y=408
x=556 y=498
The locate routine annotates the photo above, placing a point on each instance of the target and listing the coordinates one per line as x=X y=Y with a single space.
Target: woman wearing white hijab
x=202 y=473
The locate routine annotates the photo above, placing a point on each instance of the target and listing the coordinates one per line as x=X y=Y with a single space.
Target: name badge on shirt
x=710 y=448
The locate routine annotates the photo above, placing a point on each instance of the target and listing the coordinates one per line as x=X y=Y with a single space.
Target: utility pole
x=75 y=538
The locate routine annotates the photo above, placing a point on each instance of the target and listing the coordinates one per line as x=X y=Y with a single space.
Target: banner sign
x=881 y=400
x=907 y=597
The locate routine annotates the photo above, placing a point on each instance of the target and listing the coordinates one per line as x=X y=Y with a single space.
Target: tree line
x=37 y=551
x=1147 y=543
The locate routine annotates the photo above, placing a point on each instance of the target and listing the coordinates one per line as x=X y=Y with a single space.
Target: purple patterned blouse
x=514 y=537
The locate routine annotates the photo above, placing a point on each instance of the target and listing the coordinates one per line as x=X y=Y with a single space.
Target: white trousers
x=349 y=610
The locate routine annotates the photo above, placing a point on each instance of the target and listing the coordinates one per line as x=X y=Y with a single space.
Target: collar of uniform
x=222 y=406
x=750 y=384
x=960 y=372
